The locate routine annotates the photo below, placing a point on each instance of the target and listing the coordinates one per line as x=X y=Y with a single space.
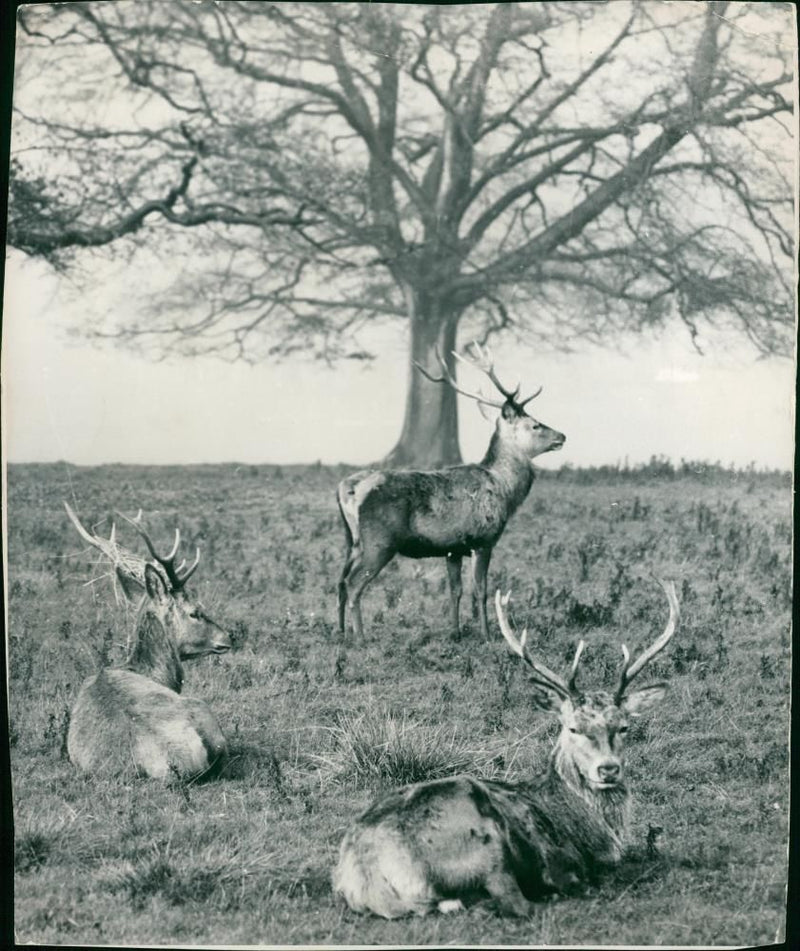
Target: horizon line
x=620 y=465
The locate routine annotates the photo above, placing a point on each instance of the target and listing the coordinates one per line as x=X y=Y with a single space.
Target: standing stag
x=440 y=843
x=134 y=716
x=446 y=513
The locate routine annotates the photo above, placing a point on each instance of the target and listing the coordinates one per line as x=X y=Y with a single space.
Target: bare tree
x=570 y=171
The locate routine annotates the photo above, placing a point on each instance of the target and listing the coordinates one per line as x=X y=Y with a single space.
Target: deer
x=441 y=844
x=134 y=717
x=450 y=512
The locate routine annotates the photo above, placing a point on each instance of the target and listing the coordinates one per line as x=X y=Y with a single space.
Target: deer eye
x=622 y=729
x=572 y=729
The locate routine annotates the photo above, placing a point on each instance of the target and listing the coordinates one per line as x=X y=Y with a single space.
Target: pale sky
x=66 y=400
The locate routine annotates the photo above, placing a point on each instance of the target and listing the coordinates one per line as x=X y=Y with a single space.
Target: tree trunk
x=429 y=437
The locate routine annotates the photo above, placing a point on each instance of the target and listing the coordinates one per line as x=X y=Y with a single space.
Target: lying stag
x=437 y=844
x=134 y=716
x=446 y=513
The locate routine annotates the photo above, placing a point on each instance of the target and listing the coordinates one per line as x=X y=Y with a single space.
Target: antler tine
x=485 y=364
x=171 y=555
x=447 y=378
x=85 y=534
x=192 y=568
x=544 y=676
x=630 y=670
x=167 y=562
x=523 y=403
x=511 y=397
x=137 y=524
x=572 y=683
x=451 y=382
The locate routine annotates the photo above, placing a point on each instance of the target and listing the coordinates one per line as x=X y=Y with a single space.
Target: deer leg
x=365 y=569
x=480 y=569
x=503 y=888
x=342 y=590
x=454 y=577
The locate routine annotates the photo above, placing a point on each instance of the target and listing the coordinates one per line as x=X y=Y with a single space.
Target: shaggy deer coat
x=449 y=513
x=443 y=843
x=134 y=717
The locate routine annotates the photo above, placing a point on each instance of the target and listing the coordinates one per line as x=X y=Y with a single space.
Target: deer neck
x=154 y=653
x=511 y=469
x=610 y=806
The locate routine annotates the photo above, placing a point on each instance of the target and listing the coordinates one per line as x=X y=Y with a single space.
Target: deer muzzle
x=609 y=774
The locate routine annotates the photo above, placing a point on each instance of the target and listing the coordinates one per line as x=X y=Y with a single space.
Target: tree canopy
x=566 y=171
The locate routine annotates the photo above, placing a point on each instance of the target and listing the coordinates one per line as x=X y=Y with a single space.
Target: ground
x=317 y=728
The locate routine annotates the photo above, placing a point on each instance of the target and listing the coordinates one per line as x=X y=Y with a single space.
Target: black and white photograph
x=398 y=441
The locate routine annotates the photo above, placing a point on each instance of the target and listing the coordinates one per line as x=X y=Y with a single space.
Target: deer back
x=123 y=722
x=428 y=513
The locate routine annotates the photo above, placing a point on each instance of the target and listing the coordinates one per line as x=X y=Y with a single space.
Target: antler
x=128 y=567
x=630 y=670
x=108 y=546
x=450 y=380
x=485 y=364
x=544 y=676
x=167 y=562
x=572 y=683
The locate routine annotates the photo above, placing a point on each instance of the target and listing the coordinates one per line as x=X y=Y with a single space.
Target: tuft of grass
x=31 y=851
x=212 y=876
x=47 y=839
x=386 y=750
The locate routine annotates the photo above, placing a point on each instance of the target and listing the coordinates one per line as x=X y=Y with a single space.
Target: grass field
x=317 y=730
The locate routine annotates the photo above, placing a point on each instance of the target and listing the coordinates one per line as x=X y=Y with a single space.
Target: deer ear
x=154 y=584
x=509 y=411
x=637 y=701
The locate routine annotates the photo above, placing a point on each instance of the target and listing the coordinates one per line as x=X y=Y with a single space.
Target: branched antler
x=631 y=669
x=485 y=364
x=167 y=562
x=569 y=688
x=543 y=676
x=128 y=567
x=450 y=381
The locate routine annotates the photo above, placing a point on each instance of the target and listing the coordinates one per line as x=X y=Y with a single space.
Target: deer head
x=589 y=749
x=519 y=431
x=195 y=633
x=163 y=582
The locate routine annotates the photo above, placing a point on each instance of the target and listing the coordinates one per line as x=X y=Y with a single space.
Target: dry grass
x=316 y=730
x=376 y=749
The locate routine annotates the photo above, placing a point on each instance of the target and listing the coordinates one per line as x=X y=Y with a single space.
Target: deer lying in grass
x=134 y=716
x=440 y=843
x=449 y=512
